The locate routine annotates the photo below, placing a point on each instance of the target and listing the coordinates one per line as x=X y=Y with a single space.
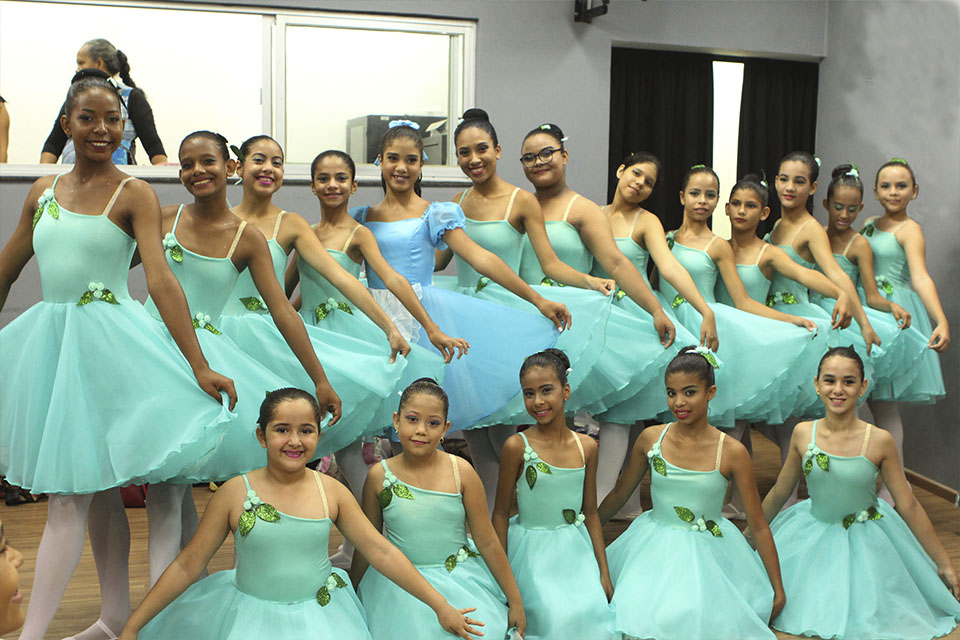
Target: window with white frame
x=313 y=80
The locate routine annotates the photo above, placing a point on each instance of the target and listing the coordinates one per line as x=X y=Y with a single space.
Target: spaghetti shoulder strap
x=813 y=433
x=456 y=470
x=276 y=226
x=513 y=196
x=346 y=245
x=719 y=451
x=797 y=232
x=898 y=227
x=462 y=196
x=176 y=220
x=323 y=494
x=566 y=212
x=116 y=194
x=866 y=439
x=576 y=438
x=236 y=239
x=525 y=441
x=246 y=482
x=706 y=249
x=849 y=244
x=56 y=180
x=633 y=225
x=760 y=255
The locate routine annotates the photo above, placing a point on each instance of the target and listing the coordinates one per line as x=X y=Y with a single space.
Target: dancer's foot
x=97 y=631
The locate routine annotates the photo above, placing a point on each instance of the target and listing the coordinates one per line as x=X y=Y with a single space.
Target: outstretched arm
x=591 y=517
x=862 y=254
x=916 y=249
x=511 y=462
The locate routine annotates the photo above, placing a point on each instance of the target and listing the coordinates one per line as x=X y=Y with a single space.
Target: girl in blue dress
x=747 y=387
x=423 y=499
x=283 y=586
x=681 y=571
x=554 y=543
x=94 y=373
x=409 y=230
x=853 y=567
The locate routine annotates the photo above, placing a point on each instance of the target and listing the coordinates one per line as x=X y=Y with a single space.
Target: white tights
x=613 y=453
x=486 y=445
x=59 y=554
x=167 y=530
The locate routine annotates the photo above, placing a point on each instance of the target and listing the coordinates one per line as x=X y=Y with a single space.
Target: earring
x=441 y=439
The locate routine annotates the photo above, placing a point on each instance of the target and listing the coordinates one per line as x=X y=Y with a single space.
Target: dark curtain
x=661 y=102
x=778 y=114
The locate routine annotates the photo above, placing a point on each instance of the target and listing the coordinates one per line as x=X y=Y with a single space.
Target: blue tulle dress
x=552 y=556
x=324 y=307
x=683 y=572
x=95 y=394
x=884 y=366
x=893 y=279
x=851 y=567
x=283 y=587
x=429 y=527
x=582 y=342
x=486 y=379
x=758 y=379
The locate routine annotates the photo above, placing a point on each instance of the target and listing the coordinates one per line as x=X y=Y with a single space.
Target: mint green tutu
x=851 y=567
x=429 y=528
x=673 y=583
x=95 y=394
x=552 y=556
x=283 y=588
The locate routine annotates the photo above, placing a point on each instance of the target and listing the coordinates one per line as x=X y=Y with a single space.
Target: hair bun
x=476 y=113
x=841 y=170
x=425 y=380
x=559 y=355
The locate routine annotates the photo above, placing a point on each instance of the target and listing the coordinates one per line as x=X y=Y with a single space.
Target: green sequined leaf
x=569 y=516
x=471 y=554
x=36 y=215
x=620 y=294
x=268 y=513
x=823 y=461
x=196 y=323
x=685 y=514
x=323 y=596
x=550 y=282
x=53 y=209
x=86 y=298
x=341 y=583
x=888 y=288
x=481 y=283
x=450 y=563
x=402 y=491
x=253 y=304
x=677 y=301
x=867 y=230
x=808 y=466
x=247 y=520
x=714 y=528
x=343 y=306
x=789 y=298
x=176 y=253
x=873 y=514
x=321 y=312
x=531 y=476
x=384 y=497
x=849 y=520
x=712 y=359
x=543 y=468
x=771 y=300
x=659 y=465
x=209 y=327
x=109 y=297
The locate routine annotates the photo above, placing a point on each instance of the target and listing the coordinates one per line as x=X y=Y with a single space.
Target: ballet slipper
x=97 y=631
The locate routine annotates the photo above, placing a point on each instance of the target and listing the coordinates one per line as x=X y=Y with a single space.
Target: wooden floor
x=80 y=605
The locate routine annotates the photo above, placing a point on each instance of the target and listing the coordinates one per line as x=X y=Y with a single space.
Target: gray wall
x=534 y=64
x=889 y=87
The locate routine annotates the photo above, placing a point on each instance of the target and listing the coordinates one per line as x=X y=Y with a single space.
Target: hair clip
x=569 y=370
x=563 y=139
x=898 y=160
x=404 y=123
x=698 y=166
x=236 y=152
x=763 y=179
x=546 y=127
x=853 y=171
x=708 y=355
x=817 y=160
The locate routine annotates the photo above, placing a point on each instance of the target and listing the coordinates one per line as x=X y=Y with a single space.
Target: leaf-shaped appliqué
x=209 y=327
x=246 y=522
x=677 y=301
x=873 y=514
x=53 y=209
x=320 y=312
x=823 y=461
x=346 y=308
x=714 y=529
x=531 y=475
x=789 y=298
x=402 y=491
x=482 y=282
x=569 y=516
x=86 y=298
x=849 y=520
x=685 y=514
x=323 y=596
x=176 y=253
x=620 y=294
x=867 y=230
x=543 y=468
x=253 y=303
x=109 y=297
x=341 y=583
x=550 y=282
x=808 y=466
x=267 y=512
x=450 y=563
x=384 y=497
x=659 y=465
x=36 y=215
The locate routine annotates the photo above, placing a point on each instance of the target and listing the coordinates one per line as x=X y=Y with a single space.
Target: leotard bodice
x=847 y=486
x=549 y=497
x=496 y=236
x=566 y=243
x=756 y=284
x=889 y=256
x=698 y=264
x=245 y=297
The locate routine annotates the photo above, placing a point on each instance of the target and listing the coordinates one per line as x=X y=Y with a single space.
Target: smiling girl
x=283 y=585
x=423 y=499
x=854 y=567
x=681 y=571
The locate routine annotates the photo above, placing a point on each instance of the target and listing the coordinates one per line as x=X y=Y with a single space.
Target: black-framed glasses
x=545 y=155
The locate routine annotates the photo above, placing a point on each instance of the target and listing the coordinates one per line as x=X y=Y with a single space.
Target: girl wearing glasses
x=408 y=230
